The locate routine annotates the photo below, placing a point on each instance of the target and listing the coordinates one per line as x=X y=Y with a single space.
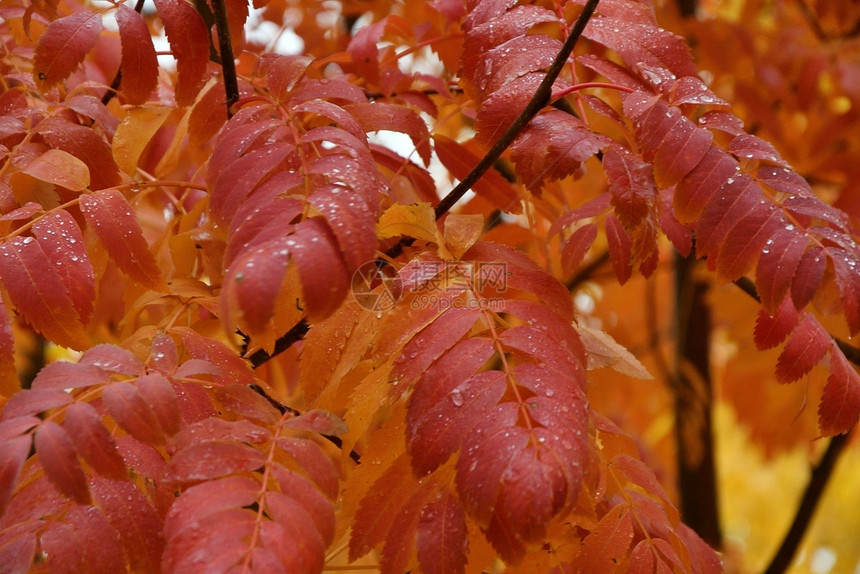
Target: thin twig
x=538 y=101
x=812 y=495
x=228 y=64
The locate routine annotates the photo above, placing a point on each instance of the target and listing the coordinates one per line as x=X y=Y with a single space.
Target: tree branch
x=225 y=46
x=539 y=100
x=817 y=483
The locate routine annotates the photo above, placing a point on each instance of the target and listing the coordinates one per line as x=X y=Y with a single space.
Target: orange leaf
x=60 y=168
x=134 y=133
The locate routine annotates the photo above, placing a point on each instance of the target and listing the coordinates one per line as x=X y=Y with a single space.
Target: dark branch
x=817 y=483
x=539 y=100
x=297 y=333
x=228 y=64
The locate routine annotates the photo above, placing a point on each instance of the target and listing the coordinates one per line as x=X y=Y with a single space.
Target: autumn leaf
x=63 y=47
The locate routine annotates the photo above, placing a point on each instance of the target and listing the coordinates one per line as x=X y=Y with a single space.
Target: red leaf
x=434 y=434
x=643 y=43
x=58 y=458
x=552 y=147
x=236 y=181
x=846 y=266
x=351 y=221
x=806 y=345
x=808 y=275
x=240 y=399
x=294 y=537
x=576 y=246
x=214 y=428
x=631 y=184
x=441 y=535
x=131 y=411
x=671 y=141
x=85 y=144
x=736 y=198
x=379 y=508
x=318 y=421
x=503 y=106
x=61 y=240
x=430 y=343
x=13 y=453
x=747 y=239
x=840 y=404
x=283 y=72
x=112 y=359
x=608 y=543
x=381 y=116
x=321 y=269
x=9 y=381
x=217 y=543
x=753 y=147
x=459 y=160
x=37 y=291
x=309 y=496
x=265 y=216
x=619 y=249
x=65 y=375
x=210 y=460
x=313 y=462
x=93 y=441
x=189 y=40
x=116 y=225
x=161 y=400
x=84 y=537
x=63 y=46
x=251 y=287
x=233 y=367
x=139 y=64
x=776 y=267
x=198 y=503
x=34 y=401
x=18 y=545
x=702 y=183
x=137 y=521
x=771 y=330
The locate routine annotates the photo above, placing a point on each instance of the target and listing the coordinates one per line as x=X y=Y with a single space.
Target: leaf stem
x=586 y=85
x=540 y=98
x=225 y=46
x=812 y=495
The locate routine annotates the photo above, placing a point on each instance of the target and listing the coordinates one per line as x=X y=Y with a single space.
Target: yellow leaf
x=417 y=220
x=461 y=231
x=134 y=133
x=60 y=168
x=604 y=351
